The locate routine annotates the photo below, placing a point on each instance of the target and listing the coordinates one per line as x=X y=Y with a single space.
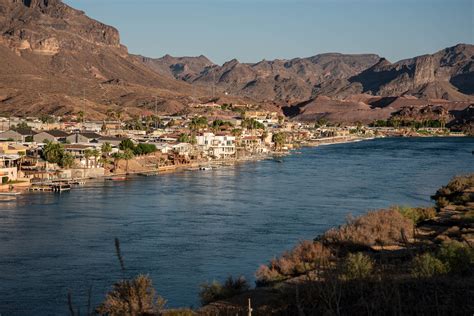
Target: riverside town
x=52 y=153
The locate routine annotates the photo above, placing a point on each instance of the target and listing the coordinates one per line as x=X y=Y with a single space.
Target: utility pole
x=250 y=309
x=213 y=84
x=83 y=108
x=156 y=112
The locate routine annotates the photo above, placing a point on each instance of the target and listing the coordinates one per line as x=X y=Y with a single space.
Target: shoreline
x=24 y=187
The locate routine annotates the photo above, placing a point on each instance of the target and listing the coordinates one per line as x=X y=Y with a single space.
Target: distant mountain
x=57 y=60
x=182 y=68
x=53 y=56
x=283 y=80
x=447 y=74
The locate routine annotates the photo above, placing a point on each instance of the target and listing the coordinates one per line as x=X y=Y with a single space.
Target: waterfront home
x=83 y=138
x=8 y=168
x=55 y=135
x=18 y=135
x=220 y=145
x=78 y=151
x=252 y=144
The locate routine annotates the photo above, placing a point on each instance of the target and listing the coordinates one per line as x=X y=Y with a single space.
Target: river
x=189 y=227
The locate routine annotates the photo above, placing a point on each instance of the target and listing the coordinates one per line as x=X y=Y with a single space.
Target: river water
x=189 y=227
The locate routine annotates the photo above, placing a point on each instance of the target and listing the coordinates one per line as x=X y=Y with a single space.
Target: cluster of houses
x=22 y=141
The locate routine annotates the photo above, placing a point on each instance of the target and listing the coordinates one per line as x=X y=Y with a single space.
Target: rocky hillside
x=447 y=74
x=53 y=56
x=278 y=80
x=57 y=60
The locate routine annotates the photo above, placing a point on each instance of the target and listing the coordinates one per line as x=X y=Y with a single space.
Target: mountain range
x=57 y=60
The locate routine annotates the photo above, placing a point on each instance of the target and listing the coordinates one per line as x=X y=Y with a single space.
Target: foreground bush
x=457 y=257
x=132 y=297
x=417 y=214
x=212 y=292
x=427 y=266
x=306 y=256
x=453 y=192
x=385 y=227
x=358 y=266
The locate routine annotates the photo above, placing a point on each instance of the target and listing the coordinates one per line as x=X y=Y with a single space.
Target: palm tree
x=52 y=152
x=87 y=155
x=127 y=155
x=96 y=155
x=20 y=160
x=117 y=156
x=106 y=149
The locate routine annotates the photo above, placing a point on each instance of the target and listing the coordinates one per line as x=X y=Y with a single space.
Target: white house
x=220 y=146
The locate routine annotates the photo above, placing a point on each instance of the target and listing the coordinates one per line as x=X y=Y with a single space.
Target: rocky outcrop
x=446 y=74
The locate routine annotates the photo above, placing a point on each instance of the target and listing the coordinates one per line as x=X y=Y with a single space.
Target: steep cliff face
x=447 y=74
x=53 y=55
x=48 y=26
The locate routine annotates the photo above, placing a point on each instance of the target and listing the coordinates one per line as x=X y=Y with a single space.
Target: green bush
x=143 y=149
x=457 y=257
x=417 y=214
x=215 y=291
x=427 y=265
x=358 y=266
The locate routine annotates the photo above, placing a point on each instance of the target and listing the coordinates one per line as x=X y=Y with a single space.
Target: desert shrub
x=426 y=266
x=384 y=227
x=357 y=266
x=454 y=191
x=417 y=214
x=457 y=257
x=304 y=257
x=132 y=297
x=267 y=274
x=215 y=291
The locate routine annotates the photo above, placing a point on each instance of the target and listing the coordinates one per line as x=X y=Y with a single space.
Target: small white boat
x=205 y=168
x=9 y=193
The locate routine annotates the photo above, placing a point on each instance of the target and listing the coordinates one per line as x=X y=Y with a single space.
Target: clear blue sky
x=252 y=30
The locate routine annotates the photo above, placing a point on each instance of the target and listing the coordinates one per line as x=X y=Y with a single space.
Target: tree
x=198 y=122
x=127 y=144
x=106 y=149
x=53 y=152
x=279 y=139
x=127 y=155
x=22 y=125
x=143 y=149
x=81 y=116
x=117 y=157
x=96 y=155
x=20 y=161
x=251 y=123
x=67 y=160
x=87 y=155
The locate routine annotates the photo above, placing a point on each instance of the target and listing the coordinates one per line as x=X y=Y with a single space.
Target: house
x=54 y=135
x=8 y=168
x=19 y=135
x=78 y=151
x=12 y=149
x=220 y=146
x=252 y=144
x=114 y=141
x=83 y=138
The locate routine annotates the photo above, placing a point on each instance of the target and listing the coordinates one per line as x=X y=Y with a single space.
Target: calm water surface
x=189 y=227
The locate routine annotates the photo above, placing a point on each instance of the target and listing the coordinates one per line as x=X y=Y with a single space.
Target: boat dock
x=50 y=187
